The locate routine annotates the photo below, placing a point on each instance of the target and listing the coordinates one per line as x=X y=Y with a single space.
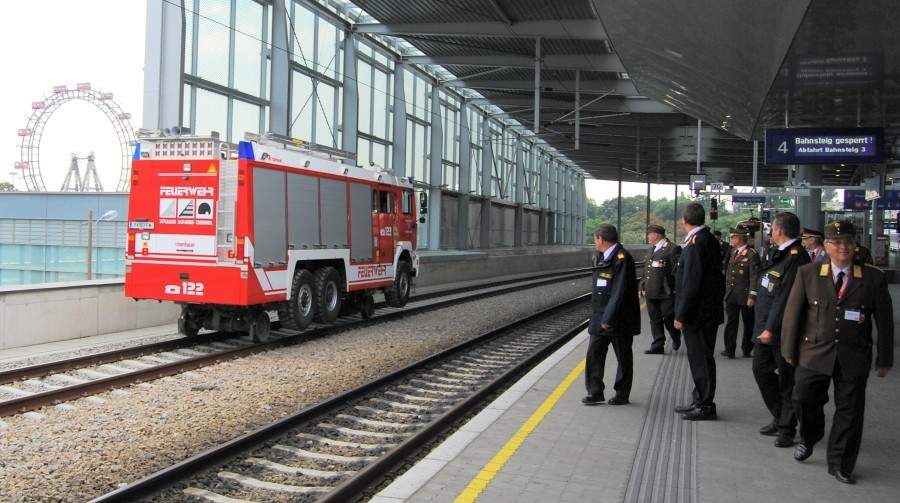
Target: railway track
x=30 y=388
x=337 y=449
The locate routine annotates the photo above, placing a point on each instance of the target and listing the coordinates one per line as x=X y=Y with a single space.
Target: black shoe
x=769 y=430
x=616 y=400
x=654 y=351
x=681 y=409
x=700 y=414
x=785 y=439
x=748 y=354
x=592 y=400
x=727 y=354
x=803 y=451
x=676 y=344
x=842 y=476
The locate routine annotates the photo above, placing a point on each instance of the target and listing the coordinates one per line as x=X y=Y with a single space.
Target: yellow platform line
x=493 y=467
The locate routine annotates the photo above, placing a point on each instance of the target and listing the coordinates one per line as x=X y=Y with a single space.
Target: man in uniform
x=776 y=278
x=814 y=243
x=741 y=279
x=725 y=247
x=615 y=317
x=699 y=290
x=862 y=255
x=658 y=287
x=827 y=334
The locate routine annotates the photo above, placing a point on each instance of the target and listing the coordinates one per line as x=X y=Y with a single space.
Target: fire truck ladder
x=299 y=145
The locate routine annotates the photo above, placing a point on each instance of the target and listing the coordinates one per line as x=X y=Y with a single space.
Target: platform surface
x=538 y=443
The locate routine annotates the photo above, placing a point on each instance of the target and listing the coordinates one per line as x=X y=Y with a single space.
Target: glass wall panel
x=213 y=40
x=245 y=119
x=212 y=113
x=248 y=47
x=302 y=105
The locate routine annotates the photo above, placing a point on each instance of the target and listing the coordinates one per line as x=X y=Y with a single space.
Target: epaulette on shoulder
x=873 y=267
x=620 y=256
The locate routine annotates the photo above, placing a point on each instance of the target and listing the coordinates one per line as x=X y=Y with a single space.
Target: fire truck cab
x=234 y=232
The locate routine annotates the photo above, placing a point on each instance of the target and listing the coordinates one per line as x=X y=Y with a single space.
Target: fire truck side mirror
x=423 y=203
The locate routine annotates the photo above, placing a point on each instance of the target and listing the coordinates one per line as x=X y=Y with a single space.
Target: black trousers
x=735 y=313
x=776 y=388
x=595 y=364
x=700 y=340
x=810 y=397
x=662 y=315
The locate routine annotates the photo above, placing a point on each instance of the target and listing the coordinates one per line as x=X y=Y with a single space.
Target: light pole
x=109 y=215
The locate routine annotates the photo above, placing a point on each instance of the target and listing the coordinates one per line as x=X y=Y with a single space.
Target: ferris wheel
x=30 y=160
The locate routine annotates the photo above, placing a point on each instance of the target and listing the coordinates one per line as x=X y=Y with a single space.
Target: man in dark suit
x=830 y=303
x=615 y=317
x=726 y=249
x=658 y=287
x=741 y=278
x=775 y=279
x=699 y=290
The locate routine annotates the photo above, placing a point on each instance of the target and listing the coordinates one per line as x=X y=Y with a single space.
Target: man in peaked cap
x=741 y=280
x=814 y=242
x=827 y=335
x=658 y=287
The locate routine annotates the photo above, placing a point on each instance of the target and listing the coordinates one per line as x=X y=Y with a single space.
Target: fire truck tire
x=398 y=294
x=328 y=294
x=260 y=327
x=186 y=326
x=301 y=309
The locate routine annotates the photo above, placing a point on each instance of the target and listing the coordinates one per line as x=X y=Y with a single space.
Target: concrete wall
x=53 y=312
x=62 y=311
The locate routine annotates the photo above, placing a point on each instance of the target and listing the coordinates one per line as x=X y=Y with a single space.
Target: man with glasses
x=773 y=375
x=615 y=317
x=827 y=334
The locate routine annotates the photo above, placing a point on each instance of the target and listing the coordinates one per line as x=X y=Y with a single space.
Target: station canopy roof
x=646 y=72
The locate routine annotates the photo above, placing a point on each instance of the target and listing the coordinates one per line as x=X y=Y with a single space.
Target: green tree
x=7 y=187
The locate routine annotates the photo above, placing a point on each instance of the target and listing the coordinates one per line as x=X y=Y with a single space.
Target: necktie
x=736 y=255
x=812 y=256
x=839 y=283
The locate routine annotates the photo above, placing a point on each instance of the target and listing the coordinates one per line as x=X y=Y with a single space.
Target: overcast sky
x=49 y=43
x=101 y=42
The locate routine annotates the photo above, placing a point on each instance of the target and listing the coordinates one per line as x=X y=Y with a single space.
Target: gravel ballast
x=86 y=448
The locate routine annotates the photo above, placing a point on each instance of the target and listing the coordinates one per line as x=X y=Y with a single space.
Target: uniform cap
x=657 y=229
x=739 y=231
x=839 y=230
x=810 y=233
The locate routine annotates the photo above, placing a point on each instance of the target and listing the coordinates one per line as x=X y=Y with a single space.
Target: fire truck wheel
x=260 y=326
x=328 y=294
x=186 y=326
x=367 y=307
x=301 y=309
x=398 y=294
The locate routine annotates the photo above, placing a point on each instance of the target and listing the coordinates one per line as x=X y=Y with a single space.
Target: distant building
x=44 y=236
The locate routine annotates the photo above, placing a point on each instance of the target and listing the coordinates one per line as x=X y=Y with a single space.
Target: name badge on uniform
x=851 y=315
x=765 y=281
x=655 y=263
x=601 y=282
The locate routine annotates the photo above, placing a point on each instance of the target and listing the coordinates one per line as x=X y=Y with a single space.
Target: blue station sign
x=856 y=200
x=825 y=146
x=748 y=199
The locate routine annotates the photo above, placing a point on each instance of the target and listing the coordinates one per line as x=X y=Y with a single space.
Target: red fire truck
x=233 y=232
